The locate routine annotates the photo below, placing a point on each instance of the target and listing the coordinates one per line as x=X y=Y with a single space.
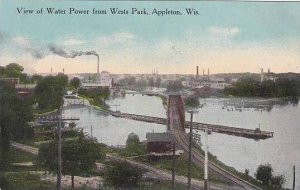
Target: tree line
x=249 y=87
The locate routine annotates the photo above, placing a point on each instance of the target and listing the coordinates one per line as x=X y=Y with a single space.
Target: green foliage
x=134 y=146
x=122 y=175
x=102 y=93
x=264 y=173
x=49 y=92
x=79 y=157
x=277 y=182
x=192 y=101
x=24 y=181
x=75 y=82
x=36 y=78
x=249 y=87
x=12 y=70
x=14 y=115
x=174 y=86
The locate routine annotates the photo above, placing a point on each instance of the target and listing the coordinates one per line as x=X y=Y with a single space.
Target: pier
x=241 y=132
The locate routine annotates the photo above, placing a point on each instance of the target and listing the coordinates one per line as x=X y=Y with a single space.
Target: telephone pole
x=294 y=171
x=206 y=161
x=58 y=185
x=59 y=159
x=91 y=131
x=190 y=149
x=173 y=167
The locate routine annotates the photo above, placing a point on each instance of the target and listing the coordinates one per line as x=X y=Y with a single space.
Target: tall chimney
x=208 y=73
x=262 y=75
x=197 y=72
x=51 y=70
x=203 y=72
x=97 y=65
x=63 y=70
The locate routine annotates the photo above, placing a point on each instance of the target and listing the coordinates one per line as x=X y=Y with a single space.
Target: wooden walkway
x=241 y=132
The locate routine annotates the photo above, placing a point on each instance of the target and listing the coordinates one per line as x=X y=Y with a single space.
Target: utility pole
x=190 y=150
x=59 y=159
x=206 y=161
x=91 y=131
x=294 y=171
x=58 y=185
x=173 y=167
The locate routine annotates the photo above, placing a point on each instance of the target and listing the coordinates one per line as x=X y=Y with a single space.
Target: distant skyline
x=226 y=37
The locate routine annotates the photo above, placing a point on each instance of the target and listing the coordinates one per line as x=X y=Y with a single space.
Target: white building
x=104 y=80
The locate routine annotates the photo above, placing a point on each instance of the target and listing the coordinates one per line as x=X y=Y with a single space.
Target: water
x=282 y=151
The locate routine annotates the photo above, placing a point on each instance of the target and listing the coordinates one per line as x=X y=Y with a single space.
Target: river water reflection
x=282 y=151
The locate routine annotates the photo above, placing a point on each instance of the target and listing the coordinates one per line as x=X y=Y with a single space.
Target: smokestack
x=63 y=70
x=97 y=65
x=197 y=72
x=262 y=75
x=51 y=70
x=208 y=73
x=203 y=72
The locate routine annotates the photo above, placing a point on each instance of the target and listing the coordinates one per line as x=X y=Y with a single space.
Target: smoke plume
x=63 y=53
x=41 y=52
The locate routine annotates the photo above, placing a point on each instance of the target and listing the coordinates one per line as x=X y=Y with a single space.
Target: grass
x=232 y=170
x=165 y=164
x=17 y=156
x=25 y=181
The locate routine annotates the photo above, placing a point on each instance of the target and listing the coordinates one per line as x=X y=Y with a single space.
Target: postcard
x=149 y=95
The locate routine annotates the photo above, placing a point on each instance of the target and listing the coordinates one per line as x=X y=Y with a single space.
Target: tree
x=246 y=173
x=14 y=116
x=36 y=78
x=75 y=82
x=151 y=82
x=174 y=86
x=78 y=157
x=134 y=146
x=13 y=70
x=157 y=82
x=277 y=182
x=264 y=174
x=123 y=176
x=49 y=92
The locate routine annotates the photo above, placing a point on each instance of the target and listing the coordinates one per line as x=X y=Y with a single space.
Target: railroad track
x=198 y=158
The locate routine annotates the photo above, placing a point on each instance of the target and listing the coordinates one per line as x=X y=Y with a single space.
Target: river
x=282 y=151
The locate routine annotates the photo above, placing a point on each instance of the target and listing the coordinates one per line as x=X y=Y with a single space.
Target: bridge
x=241 y=132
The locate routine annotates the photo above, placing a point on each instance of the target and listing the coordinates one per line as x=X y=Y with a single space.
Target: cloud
x=220 y=32
x=21 y=41
x=73 y=42
x=121 y=38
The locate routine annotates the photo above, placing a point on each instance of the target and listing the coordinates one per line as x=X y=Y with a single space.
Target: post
x=190 y=152
x=91 y=131
x=206 y=161
x=294 y=171
x=58 y=183
x=173 y=167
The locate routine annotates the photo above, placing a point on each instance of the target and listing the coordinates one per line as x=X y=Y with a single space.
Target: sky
x=226 y=37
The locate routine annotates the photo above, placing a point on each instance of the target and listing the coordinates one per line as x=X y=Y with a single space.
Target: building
x=104 y=81
x=159 y=145
x=25 y=90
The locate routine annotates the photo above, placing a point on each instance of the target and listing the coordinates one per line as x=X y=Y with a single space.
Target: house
x=25 y=90
x=160 y=145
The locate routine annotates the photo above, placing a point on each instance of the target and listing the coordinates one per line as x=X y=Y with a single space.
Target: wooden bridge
x=241 y=132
